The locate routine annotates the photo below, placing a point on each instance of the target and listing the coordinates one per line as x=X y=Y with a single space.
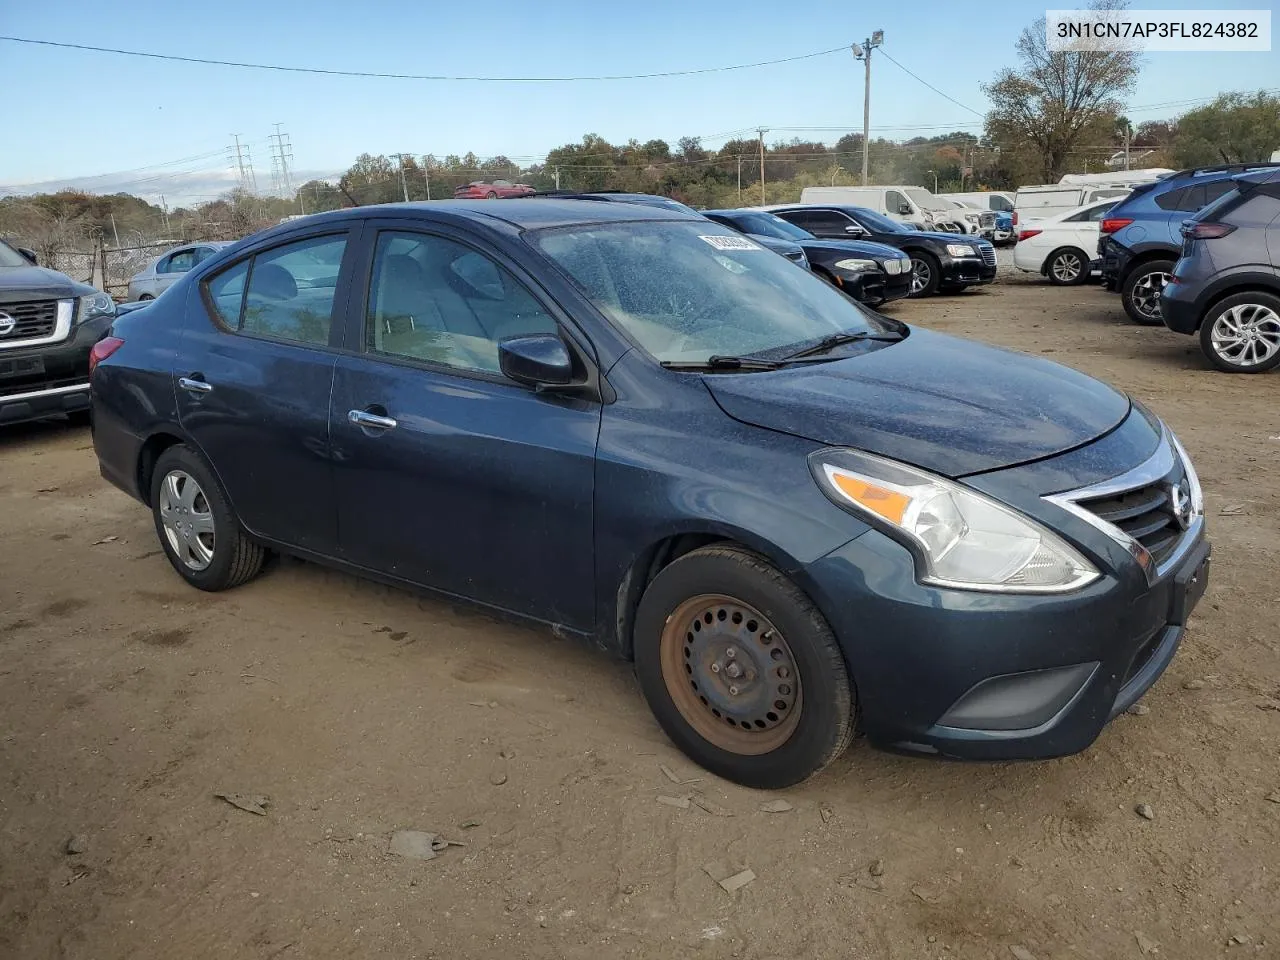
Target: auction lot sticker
x=731 y=243
x=1158 y=30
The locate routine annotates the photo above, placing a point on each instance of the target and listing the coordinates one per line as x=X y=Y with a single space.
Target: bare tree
x=1057 y=102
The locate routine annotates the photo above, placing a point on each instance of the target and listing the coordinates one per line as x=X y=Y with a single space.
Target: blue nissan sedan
x=798 y=517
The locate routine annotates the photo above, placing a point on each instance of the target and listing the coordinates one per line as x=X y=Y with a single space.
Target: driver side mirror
x=854 y=230
x=29 y=254
x=537 y=360
x=904 y=209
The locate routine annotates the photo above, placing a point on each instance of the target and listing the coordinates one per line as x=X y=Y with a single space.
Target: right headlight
x=960 y=538
x=855 y=264
x=961 y=250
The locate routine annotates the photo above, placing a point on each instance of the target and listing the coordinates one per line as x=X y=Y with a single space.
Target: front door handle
x=363 y=418
x=195 y=386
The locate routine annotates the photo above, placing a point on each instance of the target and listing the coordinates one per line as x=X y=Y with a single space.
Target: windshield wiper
x=827 y=344
x=721 y=362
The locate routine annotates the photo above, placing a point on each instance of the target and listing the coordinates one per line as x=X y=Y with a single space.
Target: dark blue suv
x=1140 y=238
x=639 y=426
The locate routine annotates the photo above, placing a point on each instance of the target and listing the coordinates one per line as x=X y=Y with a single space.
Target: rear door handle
x=195 y=386
x=364 y=418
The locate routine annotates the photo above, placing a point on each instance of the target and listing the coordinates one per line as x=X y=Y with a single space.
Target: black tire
x=821 y=723
x=235 y=558
x=491 y=195
x=1139 y=288
x=923 y=264
x=1068 y=267
x=145 y=297
x=1261 y=309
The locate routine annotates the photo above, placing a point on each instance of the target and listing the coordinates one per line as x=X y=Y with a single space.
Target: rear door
x=255 y=373
x=828 y=224
x=448 y=474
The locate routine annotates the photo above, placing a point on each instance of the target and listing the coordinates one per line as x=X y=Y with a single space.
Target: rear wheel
x=145 y=296
x=1067 y=267
x=1241 y=334
x=491 y=195
x=199 y=532
x=741 y=669
x=1142 y=289
x=926 y=274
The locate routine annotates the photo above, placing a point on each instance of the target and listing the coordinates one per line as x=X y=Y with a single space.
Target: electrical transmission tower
x=242 y=163
x=281 y=161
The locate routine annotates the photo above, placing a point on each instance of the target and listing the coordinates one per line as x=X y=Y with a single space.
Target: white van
x=994 y=200
x=1077 y=190
x=914 y=206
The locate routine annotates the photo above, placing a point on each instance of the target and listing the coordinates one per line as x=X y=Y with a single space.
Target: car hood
x=944 y=404
x=860 y=248
x=31 y=283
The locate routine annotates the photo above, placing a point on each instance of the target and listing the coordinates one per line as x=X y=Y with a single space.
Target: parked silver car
x=166 y=269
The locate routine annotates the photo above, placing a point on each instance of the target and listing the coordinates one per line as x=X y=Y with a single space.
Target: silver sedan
x=165 y=270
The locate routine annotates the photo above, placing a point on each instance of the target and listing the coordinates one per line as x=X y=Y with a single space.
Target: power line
x=413 y=76
x=926 y=83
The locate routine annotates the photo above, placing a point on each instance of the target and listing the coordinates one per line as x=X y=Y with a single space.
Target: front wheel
x=1142 y=289
x=1241 y=334
x=1067 y=268
x=491 y=195
x=145 y=297
x=926 y=274
x=741 y=669
x=199 y=532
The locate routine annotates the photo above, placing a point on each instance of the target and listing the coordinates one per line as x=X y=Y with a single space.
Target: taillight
x=1015 y=218
x=1028 y=234
x=1115 y=224
x=103 y=349
x=1206 y=231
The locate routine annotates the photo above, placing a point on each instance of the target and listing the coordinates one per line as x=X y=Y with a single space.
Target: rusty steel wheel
x=740 y=668
x=731 y=674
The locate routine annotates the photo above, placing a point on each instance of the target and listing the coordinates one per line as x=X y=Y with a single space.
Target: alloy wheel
x=187 y=519
x=1246 y=335
x=731 y=674
x=920 y=275
x=1146 y=293
x=1066 y=267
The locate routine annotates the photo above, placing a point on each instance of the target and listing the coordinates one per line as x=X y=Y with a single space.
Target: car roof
x=520 y=212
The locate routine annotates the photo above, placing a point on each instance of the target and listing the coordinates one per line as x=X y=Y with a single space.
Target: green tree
x=1235 y=128
x=1059 y=102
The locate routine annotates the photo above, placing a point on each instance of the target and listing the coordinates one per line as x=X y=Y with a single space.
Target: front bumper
x=969 y=271
x=874 y=286
x=1003 y=676
x=51 y=378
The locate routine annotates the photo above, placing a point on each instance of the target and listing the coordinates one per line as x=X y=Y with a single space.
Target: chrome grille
x=1144 y=513
x=31 y=319
x=988 y=254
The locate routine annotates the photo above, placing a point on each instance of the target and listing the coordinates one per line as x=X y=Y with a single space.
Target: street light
x=863 y=52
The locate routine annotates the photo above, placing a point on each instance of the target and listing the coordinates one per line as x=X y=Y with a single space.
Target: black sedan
x=941 y=262
x=796 y=515
x=872 y=273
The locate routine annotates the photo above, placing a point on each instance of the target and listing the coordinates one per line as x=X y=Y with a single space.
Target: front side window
x=179 y=262
x=767 y=225
x=688 y=291
x=894 y=202
x=440 y=301
x=819 y=222
x=285 y=293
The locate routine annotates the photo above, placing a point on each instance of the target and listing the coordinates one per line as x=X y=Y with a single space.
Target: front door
x=448 y=474
x=254 y=380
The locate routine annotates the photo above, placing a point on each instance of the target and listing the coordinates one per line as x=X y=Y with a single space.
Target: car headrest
x=273 y=281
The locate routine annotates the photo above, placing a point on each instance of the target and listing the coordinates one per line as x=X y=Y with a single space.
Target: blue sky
x=80 y=114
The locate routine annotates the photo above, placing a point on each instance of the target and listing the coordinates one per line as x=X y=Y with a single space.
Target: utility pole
x=115 y=231
x=426 y=173
x=404 y=184
x=558 y=181
x=863 y=52
x=165 y=207
x=1126 y=144
x=762 y=131
x=739 y=179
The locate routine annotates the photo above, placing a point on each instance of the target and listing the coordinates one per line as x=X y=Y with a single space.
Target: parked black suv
x=48 y=325
x=941 y=262
x=1139 y=239
x=1226 y=285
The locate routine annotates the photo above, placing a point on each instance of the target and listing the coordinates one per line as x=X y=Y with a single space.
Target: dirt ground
x=127 y=700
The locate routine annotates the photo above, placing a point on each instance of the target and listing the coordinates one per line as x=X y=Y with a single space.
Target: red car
x=492 y=190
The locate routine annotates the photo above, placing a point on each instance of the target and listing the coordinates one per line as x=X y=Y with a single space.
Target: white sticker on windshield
x=731 y=243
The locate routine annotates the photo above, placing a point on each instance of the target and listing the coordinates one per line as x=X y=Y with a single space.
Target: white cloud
x=182 y=189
